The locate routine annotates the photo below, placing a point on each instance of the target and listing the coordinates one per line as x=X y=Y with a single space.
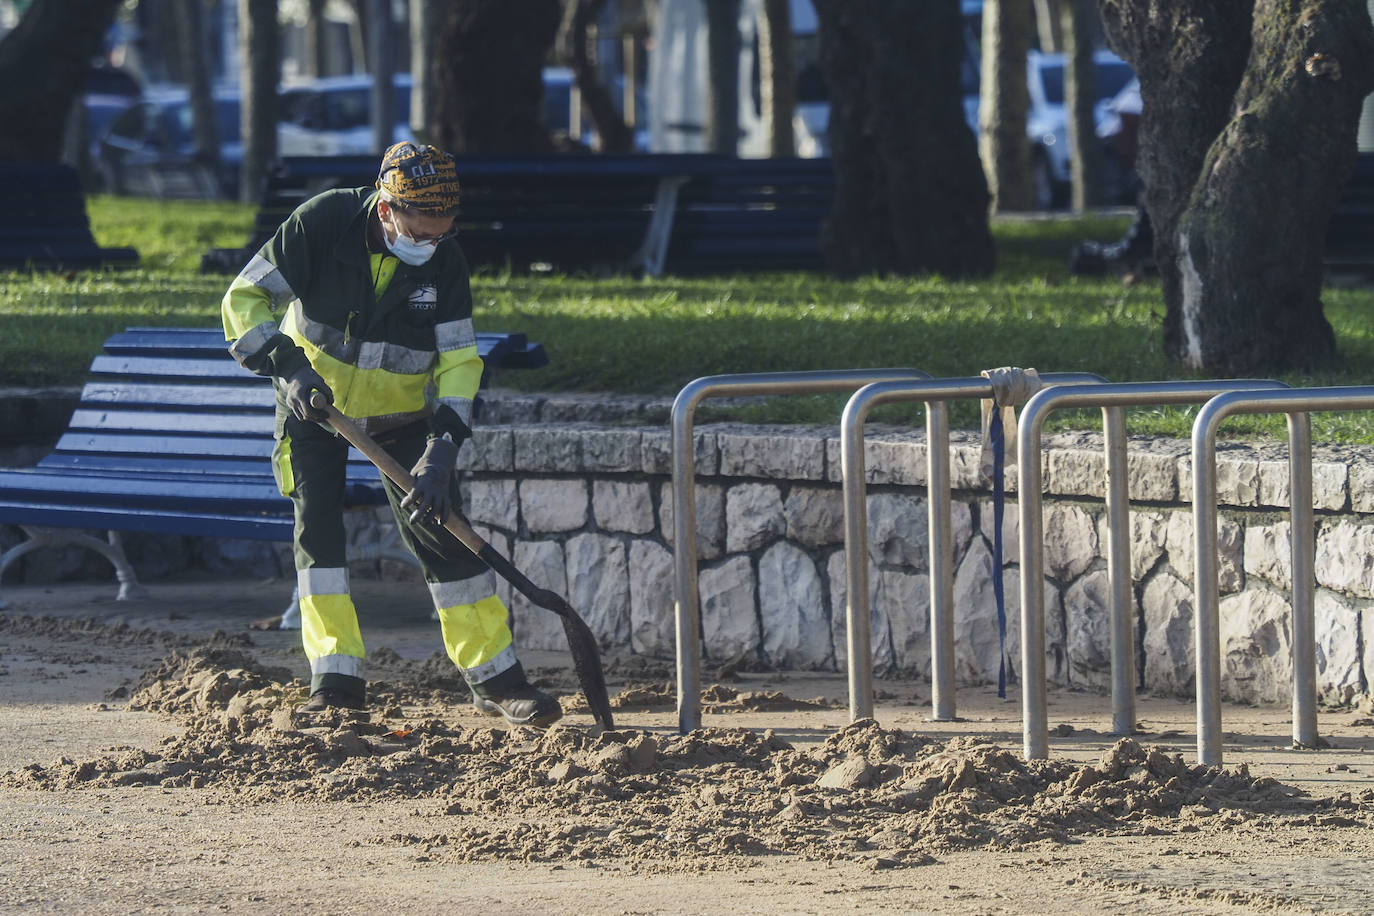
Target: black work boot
x=326 y=698
x=511 y=695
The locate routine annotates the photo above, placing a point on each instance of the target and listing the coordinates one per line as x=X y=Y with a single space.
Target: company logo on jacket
x=424 y=298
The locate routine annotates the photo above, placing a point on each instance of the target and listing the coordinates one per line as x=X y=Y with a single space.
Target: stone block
x=1170 y=660
x=599 y=585
x=753 y=516
x=621 y=505
x=795 y=625
x=814 y=516
x=880 y=647
x=494 y=502
x=710 y=516
x=1256 y=647
x=1345 y=558
x=653 y=627
x=543 y=449
x=1338 y=649
x=550 y=505
x=729 y=614
x=772 y=455
x=543 y=563
x=611 y=450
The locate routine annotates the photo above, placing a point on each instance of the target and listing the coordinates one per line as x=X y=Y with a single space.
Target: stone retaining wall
x=586 y=509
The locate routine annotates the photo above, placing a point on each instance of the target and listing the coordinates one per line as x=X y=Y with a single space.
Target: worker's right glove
x=297 y=389
x=430 y=495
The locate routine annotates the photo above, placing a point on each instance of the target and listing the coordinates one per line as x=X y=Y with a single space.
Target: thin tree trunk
x=1049 y=25
x=1087 y=163
x=383 y=68
x=910 y=196
x=48 y=53
x=723 y=49
x=778 y=76
x=488 y=85
x=259 y=49
x=191 y=45
x=1002 y=144
x=317 y=40
x=424 y=25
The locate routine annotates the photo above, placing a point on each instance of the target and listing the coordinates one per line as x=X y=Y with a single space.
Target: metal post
x=1119 y=572
x=1296 y=403
x=934 y=394
x=687 y=609
x=1035 y=728
x=940 y=515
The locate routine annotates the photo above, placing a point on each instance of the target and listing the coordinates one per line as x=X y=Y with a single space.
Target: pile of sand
x=663 y=800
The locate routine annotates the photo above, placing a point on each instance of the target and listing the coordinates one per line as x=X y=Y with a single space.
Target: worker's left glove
x=429 y=497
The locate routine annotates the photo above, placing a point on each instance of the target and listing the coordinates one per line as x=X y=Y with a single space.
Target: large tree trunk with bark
x=910 y=195
x=1247 y=138
x=424 y=20
x=1003 y=102
x=489 y=87
x=260 y=50
x=48 y=54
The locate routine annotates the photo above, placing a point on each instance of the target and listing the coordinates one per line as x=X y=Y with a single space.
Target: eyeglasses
x=451 y=232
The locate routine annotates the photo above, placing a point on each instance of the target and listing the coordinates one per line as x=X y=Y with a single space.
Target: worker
x=362 y=295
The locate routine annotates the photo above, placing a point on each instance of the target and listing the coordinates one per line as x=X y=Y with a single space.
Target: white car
x=333 y=116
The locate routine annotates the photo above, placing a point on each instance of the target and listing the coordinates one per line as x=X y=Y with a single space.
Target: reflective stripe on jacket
x=390 y=358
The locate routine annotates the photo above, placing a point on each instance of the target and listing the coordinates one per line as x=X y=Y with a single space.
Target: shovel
x=586 y=660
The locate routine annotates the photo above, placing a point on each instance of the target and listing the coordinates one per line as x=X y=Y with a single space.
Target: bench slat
x=151 y=521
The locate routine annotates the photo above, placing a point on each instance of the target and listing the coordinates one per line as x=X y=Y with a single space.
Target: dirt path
x=149 y=762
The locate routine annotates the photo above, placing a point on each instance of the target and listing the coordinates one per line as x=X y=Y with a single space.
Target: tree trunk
x=424 y=21
x=1087 y=164
x=1049 y=25
x=576 y=36
x=777 y=76
x=194 y=63
x=910 y=196
x=382 y=31
x=317 y=40
x=1246 y=138
x=48 y=53
x=723 y=49
x=489 y=86
x=1002 y=143
x=259 y=49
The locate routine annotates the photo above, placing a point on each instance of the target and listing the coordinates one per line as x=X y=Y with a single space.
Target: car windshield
x=1112 y=77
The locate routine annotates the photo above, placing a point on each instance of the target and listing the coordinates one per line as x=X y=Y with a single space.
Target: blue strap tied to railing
x=1010 y=386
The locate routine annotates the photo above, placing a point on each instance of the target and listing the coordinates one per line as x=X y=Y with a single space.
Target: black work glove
x=297 y=390
x=433 y=472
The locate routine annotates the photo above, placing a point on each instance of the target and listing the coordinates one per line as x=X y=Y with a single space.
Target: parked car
x=333 y=116
x=149 y=148
x=1047 y=123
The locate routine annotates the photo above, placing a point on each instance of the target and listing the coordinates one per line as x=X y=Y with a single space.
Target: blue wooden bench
x=44 y=225
x=655 y=213
x=171 y=436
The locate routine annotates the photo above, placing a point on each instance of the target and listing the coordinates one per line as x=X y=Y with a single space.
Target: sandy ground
x=151 y=763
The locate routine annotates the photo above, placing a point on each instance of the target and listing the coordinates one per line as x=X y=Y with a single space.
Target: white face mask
x=407 y=249
x=410 y=251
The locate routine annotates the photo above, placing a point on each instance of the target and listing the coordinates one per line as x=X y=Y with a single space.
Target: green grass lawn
x=652 y=336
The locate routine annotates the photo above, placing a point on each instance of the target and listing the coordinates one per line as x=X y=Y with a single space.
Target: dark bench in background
x=171 y=436
x=689 y=213
x=44 y=224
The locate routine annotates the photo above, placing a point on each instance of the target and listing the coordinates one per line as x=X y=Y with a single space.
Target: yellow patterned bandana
x=420 y=178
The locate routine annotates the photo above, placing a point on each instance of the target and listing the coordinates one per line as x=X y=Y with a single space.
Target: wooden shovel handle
x=391 y=467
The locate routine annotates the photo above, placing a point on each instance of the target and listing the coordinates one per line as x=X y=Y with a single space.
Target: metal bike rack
x=935 y=394
x=1113 y=398
x=1296 y=403
x=688 y=611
